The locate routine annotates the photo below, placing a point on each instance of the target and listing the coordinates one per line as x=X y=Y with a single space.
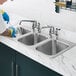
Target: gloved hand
x=5 y=16
x=13 y=31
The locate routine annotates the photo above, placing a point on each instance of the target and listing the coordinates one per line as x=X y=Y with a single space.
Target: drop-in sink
x=32 y=39
x=53 y=47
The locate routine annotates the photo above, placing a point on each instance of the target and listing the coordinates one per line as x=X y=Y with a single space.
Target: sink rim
x=68 y=43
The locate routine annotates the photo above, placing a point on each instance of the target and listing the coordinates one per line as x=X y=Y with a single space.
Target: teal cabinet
x=12 y=63
x=28 y=67
x=57 y=8
x=7 y=60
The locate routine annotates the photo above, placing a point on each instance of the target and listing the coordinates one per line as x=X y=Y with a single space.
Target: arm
x=3 y=30
x=11 y=31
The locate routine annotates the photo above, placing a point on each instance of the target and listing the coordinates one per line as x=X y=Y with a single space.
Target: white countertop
x=64 y=64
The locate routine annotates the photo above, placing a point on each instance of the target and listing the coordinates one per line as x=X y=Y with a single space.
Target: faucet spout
x=52 y=31
x=26 y=21
x=33 y=21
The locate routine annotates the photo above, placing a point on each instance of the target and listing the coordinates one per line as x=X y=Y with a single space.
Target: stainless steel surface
x=56 y=32
x=29 y=39
x=51 y=31
x=22 y=31
x=33 y=21
x=38 y=28
x=26 y=21
x=47 y=48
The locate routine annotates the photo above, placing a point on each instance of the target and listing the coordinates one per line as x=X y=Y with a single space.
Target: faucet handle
x=33 y=26
x=57 y=29
x=50 y=33
x=38 y=27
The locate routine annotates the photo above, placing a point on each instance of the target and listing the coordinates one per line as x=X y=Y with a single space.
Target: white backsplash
x=42 y=11
x=68 y=35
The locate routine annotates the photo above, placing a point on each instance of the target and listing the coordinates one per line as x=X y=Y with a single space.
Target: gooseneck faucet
x=33 y=21
x=34 y=26
x=52 y=31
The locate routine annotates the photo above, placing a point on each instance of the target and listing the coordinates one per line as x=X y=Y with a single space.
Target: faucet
x=35 y=25
x=52 y=30
x=40 y=28
x=33 y=21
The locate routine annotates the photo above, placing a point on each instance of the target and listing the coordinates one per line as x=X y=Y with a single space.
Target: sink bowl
x=30 y=39
x=22 y=31
x=53 y=47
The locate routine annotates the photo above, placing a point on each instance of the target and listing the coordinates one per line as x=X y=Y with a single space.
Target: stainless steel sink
x=22 y=31
x=49 y=47
x=30 y=39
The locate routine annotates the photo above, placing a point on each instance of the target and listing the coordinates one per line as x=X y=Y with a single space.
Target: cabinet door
x=6 y=61
x=28 y=67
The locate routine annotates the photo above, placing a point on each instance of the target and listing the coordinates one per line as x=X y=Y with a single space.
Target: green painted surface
x=28 y=67
x=6 y=59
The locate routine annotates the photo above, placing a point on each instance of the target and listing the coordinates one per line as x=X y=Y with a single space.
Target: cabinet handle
x=12 y=66
x=17 y=69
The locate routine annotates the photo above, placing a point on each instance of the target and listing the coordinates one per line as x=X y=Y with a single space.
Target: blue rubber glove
x=6 y=17
x=13 y=31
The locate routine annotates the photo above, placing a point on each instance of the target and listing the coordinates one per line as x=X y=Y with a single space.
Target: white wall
x=43 y=11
